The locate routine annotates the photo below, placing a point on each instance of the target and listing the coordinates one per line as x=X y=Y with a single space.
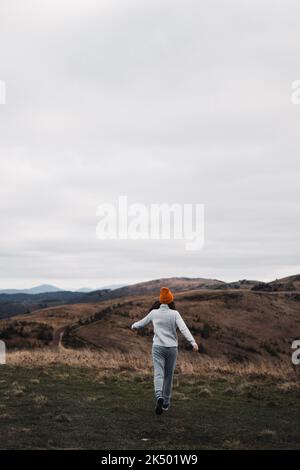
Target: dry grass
x=39 y=399
x=179 y=396
x=229 y=445
x=204 y=392
x=188 y=364
x=17 y=390
x=287 y=387
x=267 y=434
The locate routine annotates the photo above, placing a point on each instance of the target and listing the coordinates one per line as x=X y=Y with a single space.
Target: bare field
x=86 y=400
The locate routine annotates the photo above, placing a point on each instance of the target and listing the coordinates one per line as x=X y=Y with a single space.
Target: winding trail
x=57 y=337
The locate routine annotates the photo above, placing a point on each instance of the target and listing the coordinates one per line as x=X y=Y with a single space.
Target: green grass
x=63 y=407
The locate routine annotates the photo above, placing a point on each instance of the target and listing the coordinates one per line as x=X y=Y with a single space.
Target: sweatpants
x=164 y=362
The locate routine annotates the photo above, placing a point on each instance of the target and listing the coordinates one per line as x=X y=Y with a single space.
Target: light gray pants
x=164 y=362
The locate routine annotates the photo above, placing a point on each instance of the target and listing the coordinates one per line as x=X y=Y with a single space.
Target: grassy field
x=72 y=407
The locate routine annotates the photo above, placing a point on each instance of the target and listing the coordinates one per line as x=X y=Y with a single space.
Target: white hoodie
x=165 y=322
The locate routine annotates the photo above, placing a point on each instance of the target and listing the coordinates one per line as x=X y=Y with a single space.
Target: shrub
x=270 y=349
x=45 y=333
x=206 y=330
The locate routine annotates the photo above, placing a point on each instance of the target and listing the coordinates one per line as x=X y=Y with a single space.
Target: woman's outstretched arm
x=185 y=331
x=140 y=324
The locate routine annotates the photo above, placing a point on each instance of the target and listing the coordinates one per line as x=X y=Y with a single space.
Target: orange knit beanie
x=166 y=296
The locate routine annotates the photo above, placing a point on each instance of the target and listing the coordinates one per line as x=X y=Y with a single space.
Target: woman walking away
x=165 y=320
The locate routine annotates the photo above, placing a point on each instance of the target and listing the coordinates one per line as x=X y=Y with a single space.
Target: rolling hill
x=23 y=302
x=17 y=303
x=236 y=324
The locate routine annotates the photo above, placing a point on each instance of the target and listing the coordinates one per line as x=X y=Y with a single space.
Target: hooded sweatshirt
x=165 y=323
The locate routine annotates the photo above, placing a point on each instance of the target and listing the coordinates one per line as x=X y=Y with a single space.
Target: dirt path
x=57 y=337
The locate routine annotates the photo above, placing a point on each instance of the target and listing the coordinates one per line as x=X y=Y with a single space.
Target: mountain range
x=16 y=302
x=41 y=289
x=47 y=288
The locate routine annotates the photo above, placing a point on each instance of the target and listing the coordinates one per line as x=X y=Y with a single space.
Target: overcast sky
x=162 y=101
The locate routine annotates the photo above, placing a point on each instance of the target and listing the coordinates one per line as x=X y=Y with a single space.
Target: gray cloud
x=164 y=102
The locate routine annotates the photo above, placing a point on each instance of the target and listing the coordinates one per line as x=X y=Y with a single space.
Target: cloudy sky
x=163 y=101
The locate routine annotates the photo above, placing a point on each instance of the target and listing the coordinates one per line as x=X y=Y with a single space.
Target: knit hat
x=166 y=296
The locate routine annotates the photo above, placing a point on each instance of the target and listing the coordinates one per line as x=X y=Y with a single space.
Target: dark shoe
x=165 y=407
x=159 y=406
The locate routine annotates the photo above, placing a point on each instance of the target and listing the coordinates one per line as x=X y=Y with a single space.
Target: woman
x=165 y=321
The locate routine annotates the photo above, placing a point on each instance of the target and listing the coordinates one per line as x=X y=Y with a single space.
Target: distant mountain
x=17 y=302
x=176 y=284
x=112 y=286
x=109 y=287
x=48 y=288
x=43 y=288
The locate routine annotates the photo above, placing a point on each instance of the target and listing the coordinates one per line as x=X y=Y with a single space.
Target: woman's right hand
x=195 y=347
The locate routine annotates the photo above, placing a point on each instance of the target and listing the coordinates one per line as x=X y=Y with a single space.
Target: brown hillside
x=176 y=284
x=236 y=325
x=287 y=283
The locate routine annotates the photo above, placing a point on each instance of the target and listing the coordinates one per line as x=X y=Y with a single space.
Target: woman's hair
x=157 y=304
